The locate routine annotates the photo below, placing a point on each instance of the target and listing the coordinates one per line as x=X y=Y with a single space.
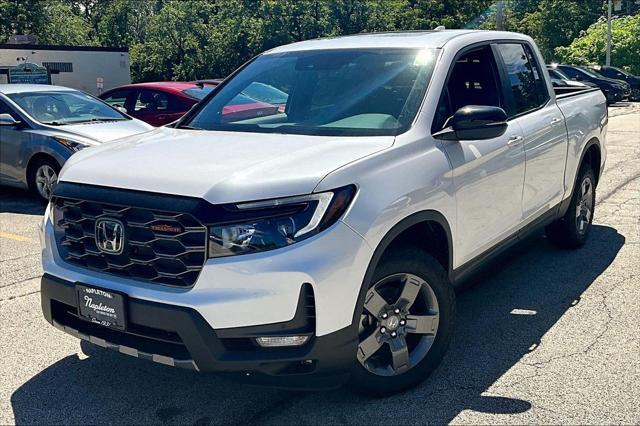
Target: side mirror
x=7 y=120
x=578 y=77
x=474 y=122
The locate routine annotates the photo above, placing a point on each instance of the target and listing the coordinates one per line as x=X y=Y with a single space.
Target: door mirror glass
x=474 y=122
x=7 y=120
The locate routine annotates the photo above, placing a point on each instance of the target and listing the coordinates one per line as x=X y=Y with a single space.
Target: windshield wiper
x=97 y=120
x=54 y=123
x=189 y=127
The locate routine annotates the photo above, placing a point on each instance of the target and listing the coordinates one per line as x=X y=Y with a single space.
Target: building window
x=58 y=66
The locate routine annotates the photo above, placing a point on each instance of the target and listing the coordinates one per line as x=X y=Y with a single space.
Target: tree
x=428 y=14
x=175 y=43
x=123 y=23
x=551 y=23
x=590 y=47
x=53 y=21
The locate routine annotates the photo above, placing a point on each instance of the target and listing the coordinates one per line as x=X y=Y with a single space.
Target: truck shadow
x=490 y=339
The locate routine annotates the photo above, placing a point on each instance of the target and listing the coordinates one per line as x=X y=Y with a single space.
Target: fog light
x=273 y=341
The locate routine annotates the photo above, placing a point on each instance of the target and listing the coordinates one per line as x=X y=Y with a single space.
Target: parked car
x=323 y=244
x=156 y=103
x=42 y=126
x=161 y=103
x=559 y=79
x=614 y=90
x=257 y=90
x=619 y=74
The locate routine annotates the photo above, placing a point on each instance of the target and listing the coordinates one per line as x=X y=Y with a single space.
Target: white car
x=322 y=243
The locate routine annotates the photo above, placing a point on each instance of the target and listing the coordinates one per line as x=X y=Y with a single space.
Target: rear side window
x=117 y=98
x=525 y=79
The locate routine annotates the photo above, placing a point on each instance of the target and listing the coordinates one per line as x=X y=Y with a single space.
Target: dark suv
x=614 y=90
x=618 y=74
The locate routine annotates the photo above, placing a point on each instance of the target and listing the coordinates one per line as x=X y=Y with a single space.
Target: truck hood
x=105 y=132
x=221 y=167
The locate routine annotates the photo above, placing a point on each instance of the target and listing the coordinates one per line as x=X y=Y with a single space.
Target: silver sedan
x=42 y=126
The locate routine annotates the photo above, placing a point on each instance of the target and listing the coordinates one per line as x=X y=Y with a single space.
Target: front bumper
x=180 y=337
x=614 y=95
x=254 y=289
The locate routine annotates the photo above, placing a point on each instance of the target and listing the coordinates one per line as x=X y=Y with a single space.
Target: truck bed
x=565 y=92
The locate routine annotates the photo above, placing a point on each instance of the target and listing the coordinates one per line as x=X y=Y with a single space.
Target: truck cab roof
x=397 y=39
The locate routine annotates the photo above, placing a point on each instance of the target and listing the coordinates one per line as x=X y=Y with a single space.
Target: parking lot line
x=14 y=237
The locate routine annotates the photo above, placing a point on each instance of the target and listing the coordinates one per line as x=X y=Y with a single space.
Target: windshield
x=590 y=73
x=558 y=74
x=65 y=107
x=198 y=93
x=350 y=92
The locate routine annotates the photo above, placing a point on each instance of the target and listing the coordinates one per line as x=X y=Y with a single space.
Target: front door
x=488 y=174
x=13 y=139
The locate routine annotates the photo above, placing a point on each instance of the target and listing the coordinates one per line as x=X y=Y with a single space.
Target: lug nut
x=394 y=334
x=385 y=315
x=383 y=330
x=402 y=322
x=396 y=311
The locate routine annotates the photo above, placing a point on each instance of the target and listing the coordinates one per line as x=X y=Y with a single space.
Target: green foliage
x=551 y=23
x=590 y=47
x=52 y=21
x=187 y=39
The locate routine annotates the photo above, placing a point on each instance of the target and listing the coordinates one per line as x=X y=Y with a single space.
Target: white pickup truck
x=322 y=242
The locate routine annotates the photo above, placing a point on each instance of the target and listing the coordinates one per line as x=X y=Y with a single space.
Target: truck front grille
x=158 y=246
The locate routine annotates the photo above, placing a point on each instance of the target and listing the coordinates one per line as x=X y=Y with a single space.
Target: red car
x=161 y=103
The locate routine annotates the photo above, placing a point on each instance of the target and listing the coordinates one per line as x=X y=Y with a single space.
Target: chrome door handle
x=514 y=141
x=555 y=121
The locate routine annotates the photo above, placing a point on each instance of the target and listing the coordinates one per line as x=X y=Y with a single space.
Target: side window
x=527 y=84
x=150 y=100
x=117 y=98
x=473 y=80
x=570 y=72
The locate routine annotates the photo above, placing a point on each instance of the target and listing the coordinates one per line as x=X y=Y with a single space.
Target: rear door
x=488 y=174
x=531 y=105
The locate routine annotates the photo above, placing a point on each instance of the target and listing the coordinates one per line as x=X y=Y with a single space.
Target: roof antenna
x=439 y=28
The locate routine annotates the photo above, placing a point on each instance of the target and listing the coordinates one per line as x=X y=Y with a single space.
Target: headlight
x=271 y=224
x=74 y=146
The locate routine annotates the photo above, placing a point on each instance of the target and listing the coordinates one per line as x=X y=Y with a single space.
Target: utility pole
x=500 y=15
x=608 y=60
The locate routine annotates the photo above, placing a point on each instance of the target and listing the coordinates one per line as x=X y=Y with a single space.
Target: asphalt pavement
x=545 y=336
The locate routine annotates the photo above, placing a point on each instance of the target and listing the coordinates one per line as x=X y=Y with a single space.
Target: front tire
x=406 y=323
x=572 y=230
x=43 y=177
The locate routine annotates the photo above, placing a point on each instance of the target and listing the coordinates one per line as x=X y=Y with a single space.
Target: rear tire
x=43 y=176
x=422 y=327
x=572 y=230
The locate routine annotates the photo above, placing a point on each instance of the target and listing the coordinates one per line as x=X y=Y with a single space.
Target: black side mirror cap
x=475 y=122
